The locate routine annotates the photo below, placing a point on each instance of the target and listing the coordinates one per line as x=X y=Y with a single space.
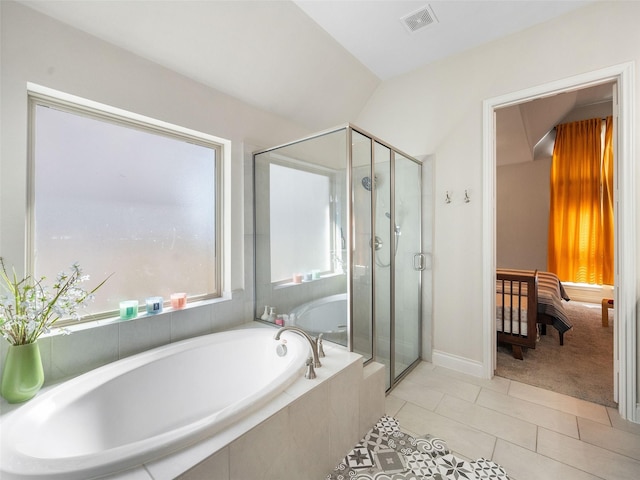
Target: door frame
x=625 y=220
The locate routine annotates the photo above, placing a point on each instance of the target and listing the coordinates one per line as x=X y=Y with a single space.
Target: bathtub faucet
x=312 y=342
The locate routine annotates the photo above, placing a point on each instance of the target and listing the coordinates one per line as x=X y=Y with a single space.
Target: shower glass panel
x=338 y=227
x=362 y=278
x=382 y=254
x=301 y=202
x=408 y=263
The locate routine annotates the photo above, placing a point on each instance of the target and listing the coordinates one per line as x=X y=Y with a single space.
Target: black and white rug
x=387 y=453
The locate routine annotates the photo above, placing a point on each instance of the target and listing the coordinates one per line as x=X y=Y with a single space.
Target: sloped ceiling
x=373 y=32
x=268 y=54
x=314 y=62
x=524 y=131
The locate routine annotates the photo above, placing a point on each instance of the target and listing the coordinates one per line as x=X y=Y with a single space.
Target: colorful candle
x=128 y=309
x=154 y=305
x=178 y=300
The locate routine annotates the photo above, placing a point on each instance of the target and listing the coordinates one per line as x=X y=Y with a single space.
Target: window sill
x=278 y=286
x=86 y=325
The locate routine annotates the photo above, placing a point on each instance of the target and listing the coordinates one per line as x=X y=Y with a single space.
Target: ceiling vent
x=419 y=19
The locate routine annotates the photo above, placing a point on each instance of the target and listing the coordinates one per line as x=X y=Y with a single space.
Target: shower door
x=396 y=251
x=409 y=263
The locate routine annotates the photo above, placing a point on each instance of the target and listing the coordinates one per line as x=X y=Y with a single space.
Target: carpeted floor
x=581 y=368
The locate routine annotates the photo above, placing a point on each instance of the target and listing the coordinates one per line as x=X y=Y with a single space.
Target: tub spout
x=312 y=342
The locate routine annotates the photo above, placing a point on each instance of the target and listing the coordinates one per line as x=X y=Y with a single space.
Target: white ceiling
x=314 y=62
x=524 y=132
x=373 y=32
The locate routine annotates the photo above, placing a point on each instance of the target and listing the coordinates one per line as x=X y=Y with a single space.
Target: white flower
x=30 y=308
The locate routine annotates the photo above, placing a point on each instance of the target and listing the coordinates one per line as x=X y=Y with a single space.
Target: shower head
x=366 y=183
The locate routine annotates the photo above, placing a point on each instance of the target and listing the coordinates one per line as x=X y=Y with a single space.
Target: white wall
x=438 y=110
x=522 y=214
x=38 y=49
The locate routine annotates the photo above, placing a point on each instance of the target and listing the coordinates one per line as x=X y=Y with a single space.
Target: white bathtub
x=145 y=406
x=327 y=315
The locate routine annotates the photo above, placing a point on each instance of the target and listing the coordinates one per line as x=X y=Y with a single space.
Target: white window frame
x=39 y=95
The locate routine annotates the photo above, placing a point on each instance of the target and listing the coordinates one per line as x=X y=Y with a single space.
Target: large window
x=122 y=196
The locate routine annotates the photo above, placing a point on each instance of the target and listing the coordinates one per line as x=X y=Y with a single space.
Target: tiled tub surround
x=300 y=435
x=148 y=405
x=98 y=343
x=326 y=415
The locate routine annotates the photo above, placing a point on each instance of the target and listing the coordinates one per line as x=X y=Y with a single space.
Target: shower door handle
x=419 y=262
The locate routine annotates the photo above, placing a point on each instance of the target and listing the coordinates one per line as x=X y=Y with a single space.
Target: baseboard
x=459 y=364
x=588 y=293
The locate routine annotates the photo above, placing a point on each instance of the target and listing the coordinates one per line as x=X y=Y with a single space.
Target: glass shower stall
x=338 y=247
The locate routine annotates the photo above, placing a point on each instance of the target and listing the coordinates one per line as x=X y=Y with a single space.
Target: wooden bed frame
x=544 y=320
x=511 y=289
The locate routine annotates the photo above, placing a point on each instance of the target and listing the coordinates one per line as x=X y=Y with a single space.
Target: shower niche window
x=338 y=244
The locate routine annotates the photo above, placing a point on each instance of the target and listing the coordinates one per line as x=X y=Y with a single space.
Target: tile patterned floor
x=387 y=453
x=533 y=433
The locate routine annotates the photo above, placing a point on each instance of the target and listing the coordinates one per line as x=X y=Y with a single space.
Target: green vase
x=22 y=376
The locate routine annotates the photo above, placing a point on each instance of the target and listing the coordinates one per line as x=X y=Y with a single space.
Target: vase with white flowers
x=29 y=309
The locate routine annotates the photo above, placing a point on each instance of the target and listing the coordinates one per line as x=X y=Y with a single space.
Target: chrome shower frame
x=369 y=183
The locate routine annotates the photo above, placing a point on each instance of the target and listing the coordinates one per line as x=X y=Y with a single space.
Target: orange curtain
x=607 y=204
x=580 y=223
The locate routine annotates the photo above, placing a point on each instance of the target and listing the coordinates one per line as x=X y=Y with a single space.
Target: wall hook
x=447 y=197
x=466 y=197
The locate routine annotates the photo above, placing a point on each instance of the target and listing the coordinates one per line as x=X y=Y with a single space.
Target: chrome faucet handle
x=320 y=348
x=311 y=373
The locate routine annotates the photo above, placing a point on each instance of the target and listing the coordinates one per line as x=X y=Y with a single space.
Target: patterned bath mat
x=387 y=453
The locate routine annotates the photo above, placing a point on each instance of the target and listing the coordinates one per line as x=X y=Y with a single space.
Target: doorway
x=525 y=136
x=625 y=346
